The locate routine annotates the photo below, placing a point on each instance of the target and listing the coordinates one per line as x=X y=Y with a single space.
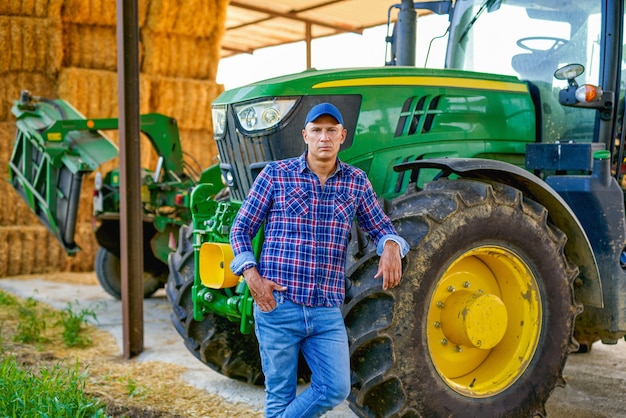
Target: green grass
x=7 y=299
x=32 y=325
x=72 y=323
x=48 y=392
x=55 y=392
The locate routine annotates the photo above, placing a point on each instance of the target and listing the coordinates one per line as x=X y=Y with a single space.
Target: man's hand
x=390 y=265
x=261 y=289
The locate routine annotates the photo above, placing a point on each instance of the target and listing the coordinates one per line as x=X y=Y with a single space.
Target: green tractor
x=502 y=173
x=501 y=170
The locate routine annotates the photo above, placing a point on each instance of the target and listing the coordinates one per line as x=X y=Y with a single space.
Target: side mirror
x=569 y=73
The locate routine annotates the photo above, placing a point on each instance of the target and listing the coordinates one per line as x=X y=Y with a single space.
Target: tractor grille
x=242 y=156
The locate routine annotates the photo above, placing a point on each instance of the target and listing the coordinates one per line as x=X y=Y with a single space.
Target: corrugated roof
x=251 y=24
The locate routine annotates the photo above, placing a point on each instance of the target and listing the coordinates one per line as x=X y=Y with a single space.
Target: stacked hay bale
x=30 y=57
x=67 y=49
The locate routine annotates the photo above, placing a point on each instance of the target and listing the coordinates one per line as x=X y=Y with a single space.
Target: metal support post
x=131 y=222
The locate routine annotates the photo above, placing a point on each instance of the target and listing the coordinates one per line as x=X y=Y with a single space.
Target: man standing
x=308 y=204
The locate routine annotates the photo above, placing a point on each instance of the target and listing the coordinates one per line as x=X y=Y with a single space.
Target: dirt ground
x=166 y=381
x=139 y=388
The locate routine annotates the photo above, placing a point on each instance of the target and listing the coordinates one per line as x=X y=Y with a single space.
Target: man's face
x=324 y=137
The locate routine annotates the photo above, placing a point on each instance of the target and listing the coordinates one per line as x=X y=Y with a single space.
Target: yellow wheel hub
x=484 y=321
x=474 y=319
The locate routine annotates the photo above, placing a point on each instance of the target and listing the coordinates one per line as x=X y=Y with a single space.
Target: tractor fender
x=578 y=248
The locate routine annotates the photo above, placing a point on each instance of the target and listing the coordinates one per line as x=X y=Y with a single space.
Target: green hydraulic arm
x=55 y=146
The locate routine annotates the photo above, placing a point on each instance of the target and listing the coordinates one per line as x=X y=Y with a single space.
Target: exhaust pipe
x=405 y=34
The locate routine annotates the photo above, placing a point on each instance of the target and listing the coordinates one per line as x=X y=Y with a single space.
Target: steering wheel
x=556 y=43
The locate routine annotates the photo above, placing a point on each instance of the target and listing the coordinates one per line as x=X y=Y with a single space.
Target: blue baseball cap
x=323 y=109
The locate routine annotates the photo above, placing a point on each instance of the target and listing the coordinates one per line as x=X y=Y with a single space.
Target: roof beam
x=235 y=50
x=293 y=15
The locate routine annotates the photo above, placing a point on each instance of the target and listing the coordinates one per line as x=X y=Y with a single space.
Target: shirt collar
x=303 y=166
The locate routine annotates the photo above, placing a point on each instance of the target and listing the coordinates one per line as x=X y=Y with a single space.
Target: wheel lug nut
x=467 y=285
x=437 y=324
x=450 y=289
x=440 y=304
x=444 y=341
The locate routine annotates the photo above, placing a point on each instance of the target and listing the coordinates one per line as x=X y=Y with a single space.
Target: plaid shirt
x=307 y=228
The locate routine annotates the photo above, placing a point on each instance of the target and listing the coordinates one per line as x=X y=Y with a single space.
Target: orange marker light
x=588 y=93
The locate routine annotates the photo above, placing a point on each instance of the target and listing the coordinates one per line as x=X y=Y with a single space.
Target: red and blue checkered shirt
x=307 y=228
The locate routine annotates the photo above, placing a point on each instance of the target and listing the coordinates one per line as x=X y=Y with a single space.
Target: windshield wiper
x=487 y=4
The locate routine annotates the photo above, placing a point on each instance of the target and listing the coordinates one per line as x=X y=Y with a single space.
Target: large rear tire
x=108 y=273
x=481 y=323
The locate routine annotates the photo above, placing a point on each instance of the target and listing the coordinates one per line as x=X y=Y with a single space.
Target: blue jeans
x=321 y=335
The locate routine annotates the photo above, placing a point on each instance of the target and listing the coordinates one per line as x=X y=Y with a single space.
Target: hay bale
x=97 y=12
x=54 y=257
x=7 y=138
x=30 y=44
x=199 y=148
x=94 y=92
x=33 y=8
x=28 y=250
x=187 y=100
x=187 y=17
x=183 y=56
x=83 y=260
x=4 y=254
x=11 y=84
x=85 y=203
x=89 y=46
x=13 y=210
x=14 y=238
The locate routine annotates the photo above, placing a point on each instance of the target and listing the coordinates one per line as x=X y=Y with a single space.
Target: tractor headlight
x=248 y=118
x=219 y=120
x=263 y=115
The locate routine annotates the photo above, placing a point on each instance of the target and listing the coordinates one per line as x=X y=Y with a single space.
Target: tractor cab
x=551 y=35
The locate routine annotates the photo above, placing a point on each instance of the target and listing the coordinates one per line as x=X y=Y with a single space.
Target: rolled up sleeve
x=404 y=246
x=242 y=262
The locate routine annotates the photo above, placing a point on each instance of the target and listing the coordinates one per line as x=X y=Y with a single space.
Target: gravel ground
x=596 y=380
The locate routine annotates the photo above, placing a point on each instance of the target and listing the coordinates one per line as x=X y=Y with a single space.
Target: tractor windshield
x=530 y=39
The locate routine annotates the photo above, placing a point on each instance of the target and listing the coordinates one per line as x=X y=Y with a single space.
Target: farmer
x=307 y=205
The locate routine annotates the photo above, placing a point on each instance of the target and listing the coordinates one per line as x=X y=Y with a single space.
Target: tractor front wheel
x=108 y=272
x=481 y=323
